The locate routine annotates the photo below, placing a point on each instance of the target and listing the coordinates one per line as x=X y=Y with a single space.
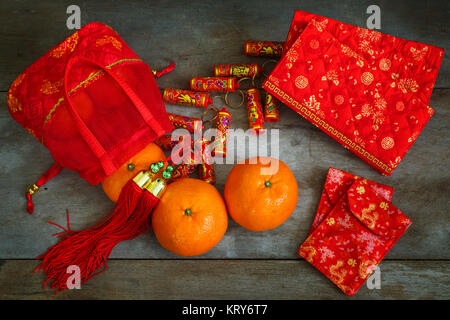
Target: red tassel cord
x=54 y=170
x=89 y=249
x=168 y=69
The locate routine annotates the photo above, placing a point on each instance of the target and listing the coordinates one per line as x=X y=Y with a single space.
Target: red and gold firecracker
x=254 y=110
x=240 y=70
x=206 y=169
x=214 y=84
x=207 y=173
x=256 y=48
x=187 y=97
x=179 y=121
x=222 y=124
x=271 y=109
x=165 y=142
x=183 y=170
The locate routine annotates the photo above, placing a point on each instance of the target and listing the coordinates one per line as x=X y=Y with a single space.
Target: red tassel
x=165 y=70
x=53 y=171
x=89 y=249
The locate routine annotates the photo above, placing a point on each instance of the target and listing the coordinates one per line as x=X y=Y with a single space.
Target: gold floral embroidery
x=330 y=221
x=380 y=103
x=321 y=26
x=314 y=105
x=338 y=276
x=385 y=64
x=384 y=205
x=350 y=53
x=408 y=85
x=367 y=34
x=369 y=215
x=67 y=45
x=395 y=163
x=413 y=136
x=360 y=190
x=351 y=262
x=51 y=87
x=365 y=46
x=109 y=39
x=366 y=110
x=13 y=103
x=308 y=250
x=366 y=268
x=271 y=85
x=418 y=54
x=331 y=75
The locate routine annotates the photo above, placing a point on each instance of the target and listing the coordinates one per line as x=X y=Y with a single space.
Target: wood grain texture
x=197 y=36
x=225 y=279
x=203 y=33
x=421 y=190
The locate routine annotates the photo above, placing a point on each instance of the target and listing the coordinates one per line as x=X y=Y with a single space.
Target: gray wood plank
x=219 y=279
x=201 y=34
x=421 y=190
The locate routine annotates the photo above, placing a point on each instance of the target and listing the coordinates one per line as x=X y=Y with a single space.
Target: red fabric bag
x=367 y=90
x=354 y=237
x=91 y=101
x=336 y=185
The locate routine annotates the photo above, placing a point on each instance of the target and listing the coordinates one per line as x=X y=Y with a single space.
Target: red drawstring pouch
x=91 y=101
x=94 y=104
x=336 y=185
x=355 y=236
x=369 y=91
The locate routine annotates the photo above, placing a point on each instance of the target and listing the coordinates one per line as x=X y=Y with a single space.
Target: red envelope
x=368 y=91
x=354 y=238
x=336 y=184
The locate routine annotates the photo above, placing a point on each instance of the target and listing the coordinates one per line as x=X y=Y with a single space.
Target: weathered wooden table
x=245 y=264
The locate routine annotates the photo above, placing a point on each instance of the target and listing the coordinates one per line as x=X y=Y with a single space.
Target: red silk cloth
x=367 y=90
x=355 y=227
x=91 y=101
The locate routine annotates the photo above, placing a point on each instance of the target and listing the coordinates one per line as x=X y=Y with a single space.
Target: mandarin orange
x=259 y=200
x=191 y=217
x=112 y=185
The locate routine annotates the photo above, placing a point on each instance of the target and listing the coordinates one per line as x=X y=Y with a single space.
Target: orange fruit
x=259 y=200
x=112 y=184
x=191 y=217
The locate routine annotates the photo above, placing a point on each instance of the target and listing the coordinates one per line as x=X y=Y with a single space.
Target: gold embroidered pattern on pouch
x=67 y=45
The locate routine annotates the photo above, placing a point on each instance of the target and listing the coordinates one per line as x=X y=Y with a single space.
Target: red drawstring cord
x=165 y=70
x=53 y=171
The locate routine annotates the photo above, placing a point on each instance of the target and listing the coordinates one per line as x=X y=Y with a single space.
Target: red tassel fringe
x=89 y=249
